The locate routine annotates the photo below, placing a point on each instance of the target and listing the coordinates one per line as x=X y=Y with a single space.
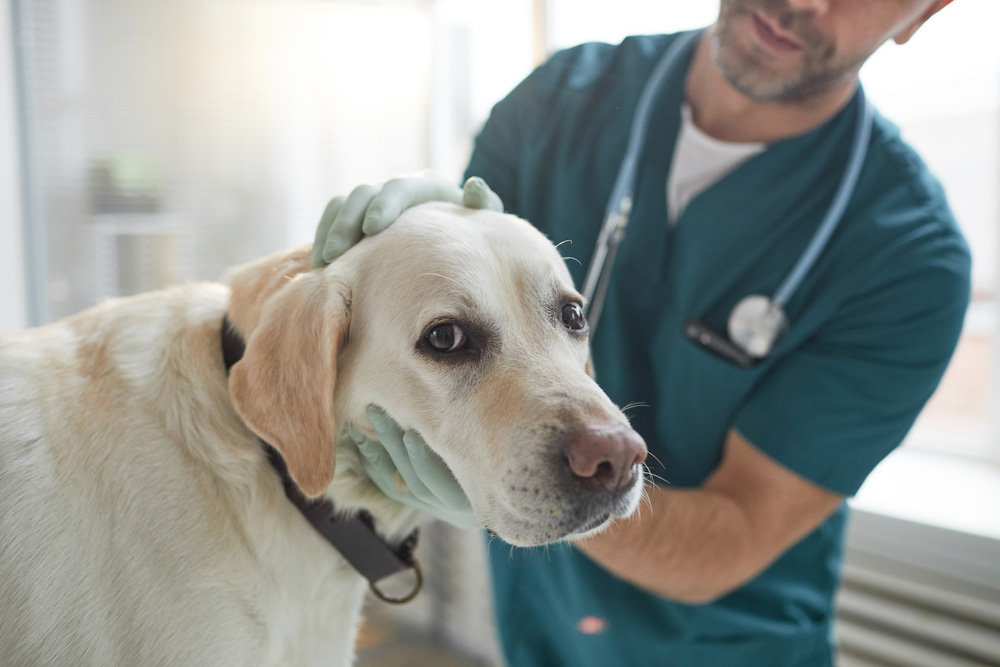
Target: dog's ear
x=254 y=283
x=283 y=386
x=589 y=368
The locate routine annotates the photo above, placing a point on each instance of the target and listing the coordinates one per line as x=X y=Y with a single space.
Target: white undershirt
x=699 y=162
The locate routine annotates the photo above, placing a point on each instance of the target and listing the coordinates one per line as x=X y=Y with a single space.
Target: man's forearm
x=691 y=545
x=695 y=545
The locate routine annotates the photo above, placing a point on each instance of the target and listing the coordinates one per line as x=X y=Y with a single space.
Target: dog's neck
x=354 y=537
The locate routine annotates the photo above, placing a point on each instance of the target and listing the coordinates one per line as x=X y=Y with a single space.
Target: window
x=167 y=141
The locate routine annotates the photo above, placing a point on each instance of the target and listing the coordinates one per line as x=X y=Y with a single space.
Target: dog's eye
x=572 y=317
x=446 y=337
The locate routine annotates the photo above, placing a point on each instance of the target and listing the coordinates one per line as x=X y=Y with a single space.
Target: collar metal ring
x=405 y=598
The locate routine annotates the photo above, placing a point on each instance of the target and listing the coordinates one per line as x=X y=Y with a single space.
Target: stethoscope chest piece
x=756 y=324
x=758 y=321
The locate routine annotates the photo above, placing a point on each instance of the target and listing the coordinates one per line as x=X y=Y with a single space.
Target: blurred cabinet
x=139 y=252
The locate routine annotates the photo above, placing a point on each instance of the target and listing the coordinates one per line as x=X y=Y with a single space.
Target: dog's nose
x=603 y=459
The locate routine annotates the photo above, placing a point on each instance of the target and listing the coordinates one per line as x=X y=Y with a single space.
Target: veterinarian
x=750 y=134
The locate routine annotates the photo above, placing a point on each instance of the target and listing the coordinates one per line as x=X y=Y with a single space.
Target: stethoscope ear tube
x=619 y=207
x=856 y=158
x=595 y=286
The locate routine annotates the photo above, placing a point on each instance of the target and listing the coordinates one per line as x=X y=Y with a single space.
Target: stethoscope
x=757 y=321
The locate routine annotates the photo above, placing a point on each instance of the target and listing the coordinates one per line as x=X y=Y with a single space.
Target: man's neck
x=723 y=112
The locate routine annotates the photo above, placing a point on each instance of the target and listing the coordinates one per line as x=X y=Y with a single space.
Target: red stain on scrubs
x=591 y=625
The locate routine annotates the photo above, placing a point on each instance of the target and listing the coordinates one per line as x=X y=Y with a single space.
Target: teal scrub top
x=872 y=328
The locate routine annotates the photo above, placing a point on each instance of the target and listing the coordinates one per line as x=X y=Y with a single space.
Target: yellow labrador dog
x=141 y=522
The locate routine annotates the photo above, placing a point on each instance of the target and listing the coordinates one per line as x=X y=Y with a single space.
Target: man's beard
x=817 y=74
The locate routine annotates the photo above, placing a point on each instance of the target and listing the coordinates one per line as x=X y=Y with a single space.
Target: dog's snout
x=604 y=459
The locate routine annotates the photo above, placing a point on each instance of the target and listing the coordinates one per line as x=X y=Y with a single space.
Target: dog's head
x=463 y=325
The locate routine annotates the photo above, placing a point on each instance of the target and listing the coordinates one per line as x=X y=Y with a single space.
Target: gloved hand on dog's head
x=429 y=484
x=371 y=208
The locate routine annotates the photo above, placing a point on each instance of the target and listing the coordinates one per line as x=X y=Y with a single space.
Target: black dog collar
x=354 y=537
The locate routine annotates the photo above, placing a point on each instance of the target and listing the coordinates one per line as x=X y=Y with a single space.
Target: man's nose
x=605 y=458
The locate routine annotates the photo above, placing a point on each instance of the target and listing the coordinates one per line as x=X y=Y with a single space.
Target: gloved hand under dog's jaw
x=428 y=483
x=369 y=209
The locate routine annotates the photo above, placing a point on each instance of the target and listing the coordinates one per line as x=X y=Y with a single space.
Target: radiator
x=918 y=596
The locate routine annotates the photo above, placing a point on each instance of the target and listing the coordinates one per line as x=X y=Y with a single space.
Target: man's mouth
x=773 y=37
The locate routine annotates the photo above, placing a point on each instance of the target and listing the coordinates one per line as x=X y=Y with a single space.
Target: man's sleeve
x=496 y=150
x=499 y=148
x=528 y=115
x=833 y=408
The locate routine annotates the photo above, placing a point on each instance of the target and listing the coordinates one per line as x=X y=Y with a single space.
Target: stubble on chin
x=748 y=70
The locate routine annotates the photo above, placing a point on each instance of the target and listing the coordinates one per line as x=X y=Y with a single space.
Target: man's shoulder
x=904 y=239
x=901 y=197
x=901 y=161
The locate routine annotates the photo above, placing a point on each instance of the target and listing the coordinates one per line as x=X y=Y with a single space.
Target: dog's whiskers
x=570 y=241
x=647 y=500
x=656 y=458
x=658 y=478
x=661 y=480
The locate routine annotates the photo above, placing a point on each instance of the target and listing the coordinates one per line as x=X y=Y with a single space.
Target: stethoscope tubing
x=859 y=148
x=619 y=208
x=620 y=202
x=625 y=182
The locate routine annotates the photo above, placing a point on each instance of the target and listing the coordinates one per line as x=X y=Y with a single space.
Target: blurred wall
x=13 y=284
x=171 y=140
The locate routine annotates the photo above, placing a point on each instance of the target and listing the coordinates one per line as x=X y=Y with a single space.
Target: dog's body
x=140 y=522
x=137 y=511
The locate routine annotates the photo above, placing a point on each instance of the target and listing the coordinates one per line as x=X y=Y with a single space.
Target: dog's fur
x=140 y=522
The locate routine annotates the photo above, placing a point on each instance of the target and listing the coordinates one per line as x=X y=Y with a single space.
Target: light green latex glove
x=371 y=208
x=430 y=486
